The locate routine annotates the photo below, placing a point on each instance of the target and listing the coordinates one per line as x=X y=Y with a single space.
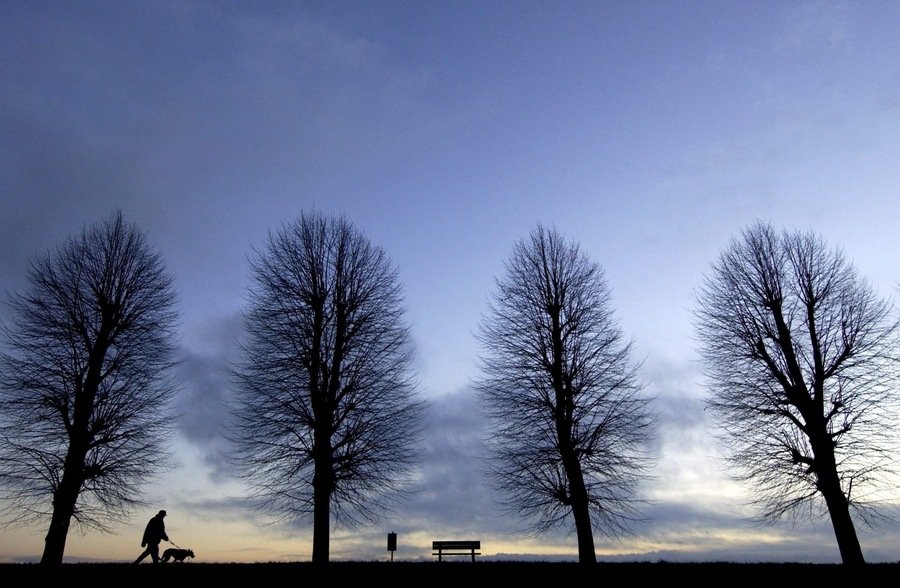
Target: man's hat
x=162 y=513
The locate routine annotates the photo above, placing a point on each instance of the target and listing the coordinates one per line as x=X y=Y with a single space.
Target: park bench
x=442 y=548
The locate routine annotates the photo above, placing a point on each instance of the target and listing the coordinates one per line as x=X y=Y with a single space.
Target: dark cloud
x=682 y=425
x=226 y=508
x=453 y=494
x=205 y=396
x=202 y=407
x=719 y=532
x=679 y=516
x=682 y=422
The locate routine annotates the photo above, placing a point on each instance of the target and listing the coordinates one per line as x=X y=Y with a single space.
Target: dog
x=176 y=555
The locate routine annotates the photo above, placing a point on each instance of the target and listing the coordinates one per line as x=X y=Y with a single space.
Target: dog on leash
x=176 y=555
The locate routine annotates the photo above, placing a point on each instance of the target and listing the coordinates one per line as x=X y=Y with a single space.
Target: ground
x=459 y=572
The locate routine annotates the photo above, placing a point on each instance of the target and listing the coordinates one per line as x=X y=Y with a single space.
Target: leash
x=175 y=544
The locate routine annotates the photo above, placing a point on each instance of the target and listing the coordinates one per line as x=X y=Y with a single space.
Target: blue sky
x=650 y=132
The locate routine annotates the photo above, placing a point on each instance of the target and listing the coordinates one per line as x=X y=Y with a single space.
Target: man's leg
x=154 y=553
x=143 y=555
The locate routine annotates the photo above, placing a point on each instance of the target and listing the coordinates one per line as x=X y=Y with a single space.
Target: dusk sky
x=650 y=132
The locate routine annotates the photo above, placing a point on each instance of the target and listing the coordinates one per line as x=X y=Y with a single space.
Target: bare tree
x=801 y=356
x=327 y=419
x=569 y=422
x=83 y=385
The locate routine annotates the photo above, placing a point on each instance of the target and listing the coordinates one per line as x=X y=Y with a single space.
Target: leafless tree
x=569 y=423
x=327 y=421
x=801 y=356
x=83 y=382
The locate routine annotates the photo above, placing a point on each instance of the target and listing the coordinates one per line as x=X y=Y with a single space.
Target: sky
x=649 y=132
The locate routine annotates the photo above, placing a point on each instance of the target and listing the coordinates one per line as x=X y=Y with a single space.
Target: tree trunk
x=321 y=523
x=829 y=484
x=565 y=406
x=55 y=541
x=64 y=500
x=581 y=512
x=66 y=495
x=839 y=509
x=322 y=498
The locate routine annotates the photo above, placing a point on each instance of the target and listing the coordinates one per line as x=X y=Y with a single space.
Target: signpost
x=392 y=544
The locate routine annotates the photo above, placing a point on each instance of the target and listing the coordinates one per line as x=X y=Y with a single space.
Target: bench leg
x=473 y=555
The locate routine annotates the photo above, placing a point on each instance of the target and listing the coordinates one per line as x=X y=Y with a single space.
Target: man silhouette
x=153 y=534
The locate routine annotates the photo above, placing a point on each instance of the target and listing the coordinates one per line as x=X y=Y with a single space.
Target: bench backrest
x=456 y=544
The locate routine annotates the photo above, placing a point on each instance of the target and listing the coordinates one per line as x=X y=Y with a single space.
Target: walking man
x=153 y=534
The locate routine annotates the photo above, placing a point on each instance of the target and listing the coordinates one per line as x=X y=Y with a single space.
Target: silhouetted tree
x=83 y=385
x=569 y=424
x=327 y=417
x=802 y=360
